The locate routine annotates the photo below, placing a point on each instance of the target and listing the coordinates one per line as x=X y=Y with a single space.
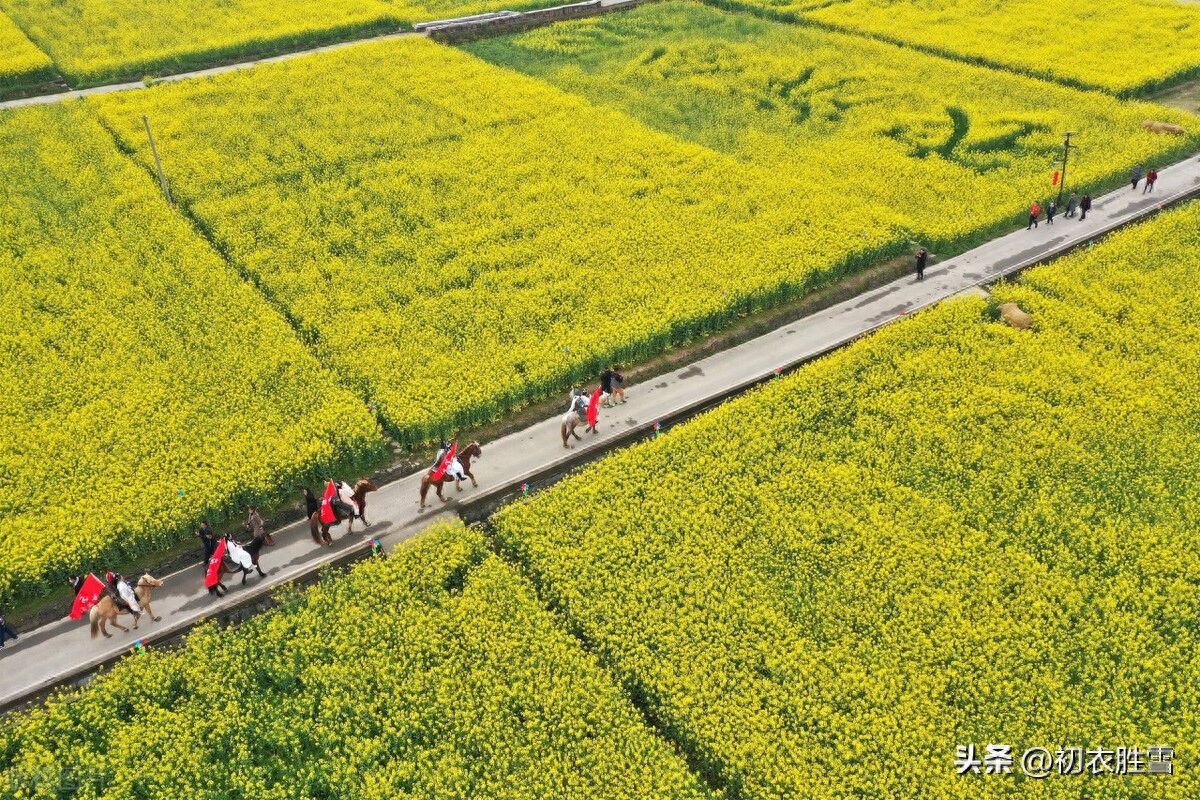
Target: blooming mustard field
x=1126 y=48
x=956 y=151
x=455 y=239
x=435 y=673
x=950 y=533
x=21 y=62
x=107 y=41
x=145 y=383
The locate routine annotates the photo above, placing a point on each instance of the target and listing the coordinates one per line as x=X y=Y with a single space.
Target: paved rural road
x=49 y=655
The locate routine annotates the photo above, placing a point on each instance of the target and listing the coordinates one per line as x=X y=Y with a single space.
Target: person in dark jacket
x=311 y=503
x=1085 y=205
x=1051 y=209
x=208 y=540
x=922 y=258
x=6 y=632
x=1072 y=204
x=1136 y=175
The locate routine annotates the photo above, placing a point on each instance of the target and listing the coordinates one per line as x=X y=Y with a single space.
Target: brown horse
x=473 y=450
x=320 y=530
x=106 y=611
x=229 y=568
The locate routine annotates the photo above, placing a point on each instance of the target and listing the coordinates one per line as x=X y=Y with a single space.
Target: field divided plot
x=433 y=674
x=145 y=383
x=952 y=532
x=106 y=41
x=455 y=239
x=22 y=64
x=1127 y=48
x=955 y=150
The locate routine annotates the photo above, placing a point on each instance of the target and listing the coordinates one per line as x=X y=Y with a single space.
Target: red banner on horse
x=213 y=576
x=593 y=412
x=328 y=515
x=445 y=464
x=88 y=596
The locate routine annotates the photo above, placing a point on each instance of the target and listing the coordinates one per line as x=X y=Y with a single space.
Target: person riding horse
x=342 y=501
x=454 y=468
x=121 y=593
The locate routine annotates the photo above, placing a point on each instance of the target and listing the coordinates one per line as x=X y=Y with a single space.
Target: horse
x=106 y=611
x=320 y=530
x=228 y=568
x=570 y=421
x=464 y=456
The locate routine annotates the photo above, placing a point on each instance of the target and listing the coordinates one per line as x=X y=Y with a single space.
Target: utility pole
x=161 y=177
x=1062 y=184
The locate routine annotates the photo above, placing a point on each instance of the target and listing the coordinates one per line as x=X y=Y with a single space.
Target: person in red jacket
x=1035 y=211
x=1151 y=177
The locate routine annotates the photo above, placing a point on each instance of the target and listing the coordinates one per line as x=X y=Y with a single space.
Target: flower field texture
x=957 y=151
x=145 y=383
x=106 y=41
x=21 y=63
x=950 y=533
x=1126 y=48
x=455 y=239
x=432 y=674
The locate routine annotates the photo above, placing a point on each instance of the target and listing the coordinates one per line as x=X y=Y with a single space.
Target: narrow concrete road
x=49 y=655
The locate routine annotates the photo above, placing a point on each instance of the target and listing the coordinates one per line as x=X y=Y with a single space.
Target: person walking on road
x=922 y=258
x=6 y=632
x=208 y=540
x=1072 y=204
x=254 y=527
x=1035 y=211
x=1151 y=177
x=311 y=503
x=1136 y=175
x=1050 y=211
x=1085 y=205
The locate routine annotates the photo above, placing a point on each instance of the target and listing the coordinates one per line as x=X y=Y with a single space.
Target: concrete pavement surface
x=61 y=651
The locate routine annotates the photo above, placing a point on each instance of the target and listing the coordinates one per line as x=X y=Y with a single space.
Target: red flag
x=328 y=515
x=88 y=596
x=213 y=576
x=594 y=408
x=445 y=465
x=1054 y=180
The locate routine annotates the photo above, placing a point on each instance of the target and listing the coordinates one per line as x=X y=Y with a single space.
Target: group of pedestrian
x=1074 y=204
x=1151 y=178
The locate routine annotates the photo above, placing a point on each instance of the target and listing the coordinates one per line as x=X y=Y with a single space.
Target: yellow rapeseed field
x=435 y=673
x=106 y=41
x=952 y=533
x=455 y=239
x=1126 y=48
x=144 y=382
x=956 y=151
x=21 y=62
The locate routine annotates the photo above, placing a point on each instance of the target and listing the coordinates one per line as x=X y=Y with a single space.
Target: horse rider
x=454 y=469
x=342 y=501
x=121 y=593
x=238 y=555
x=579 y=404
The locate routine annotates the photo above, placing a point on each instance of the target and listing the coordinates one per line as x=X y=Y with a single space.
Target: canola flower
x=21 y=62
x=954 y=150
x=1126 y=48
x=951 y=532
x=145 y=383
x=434 y=673
x=95 y=42
x=456 y=239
